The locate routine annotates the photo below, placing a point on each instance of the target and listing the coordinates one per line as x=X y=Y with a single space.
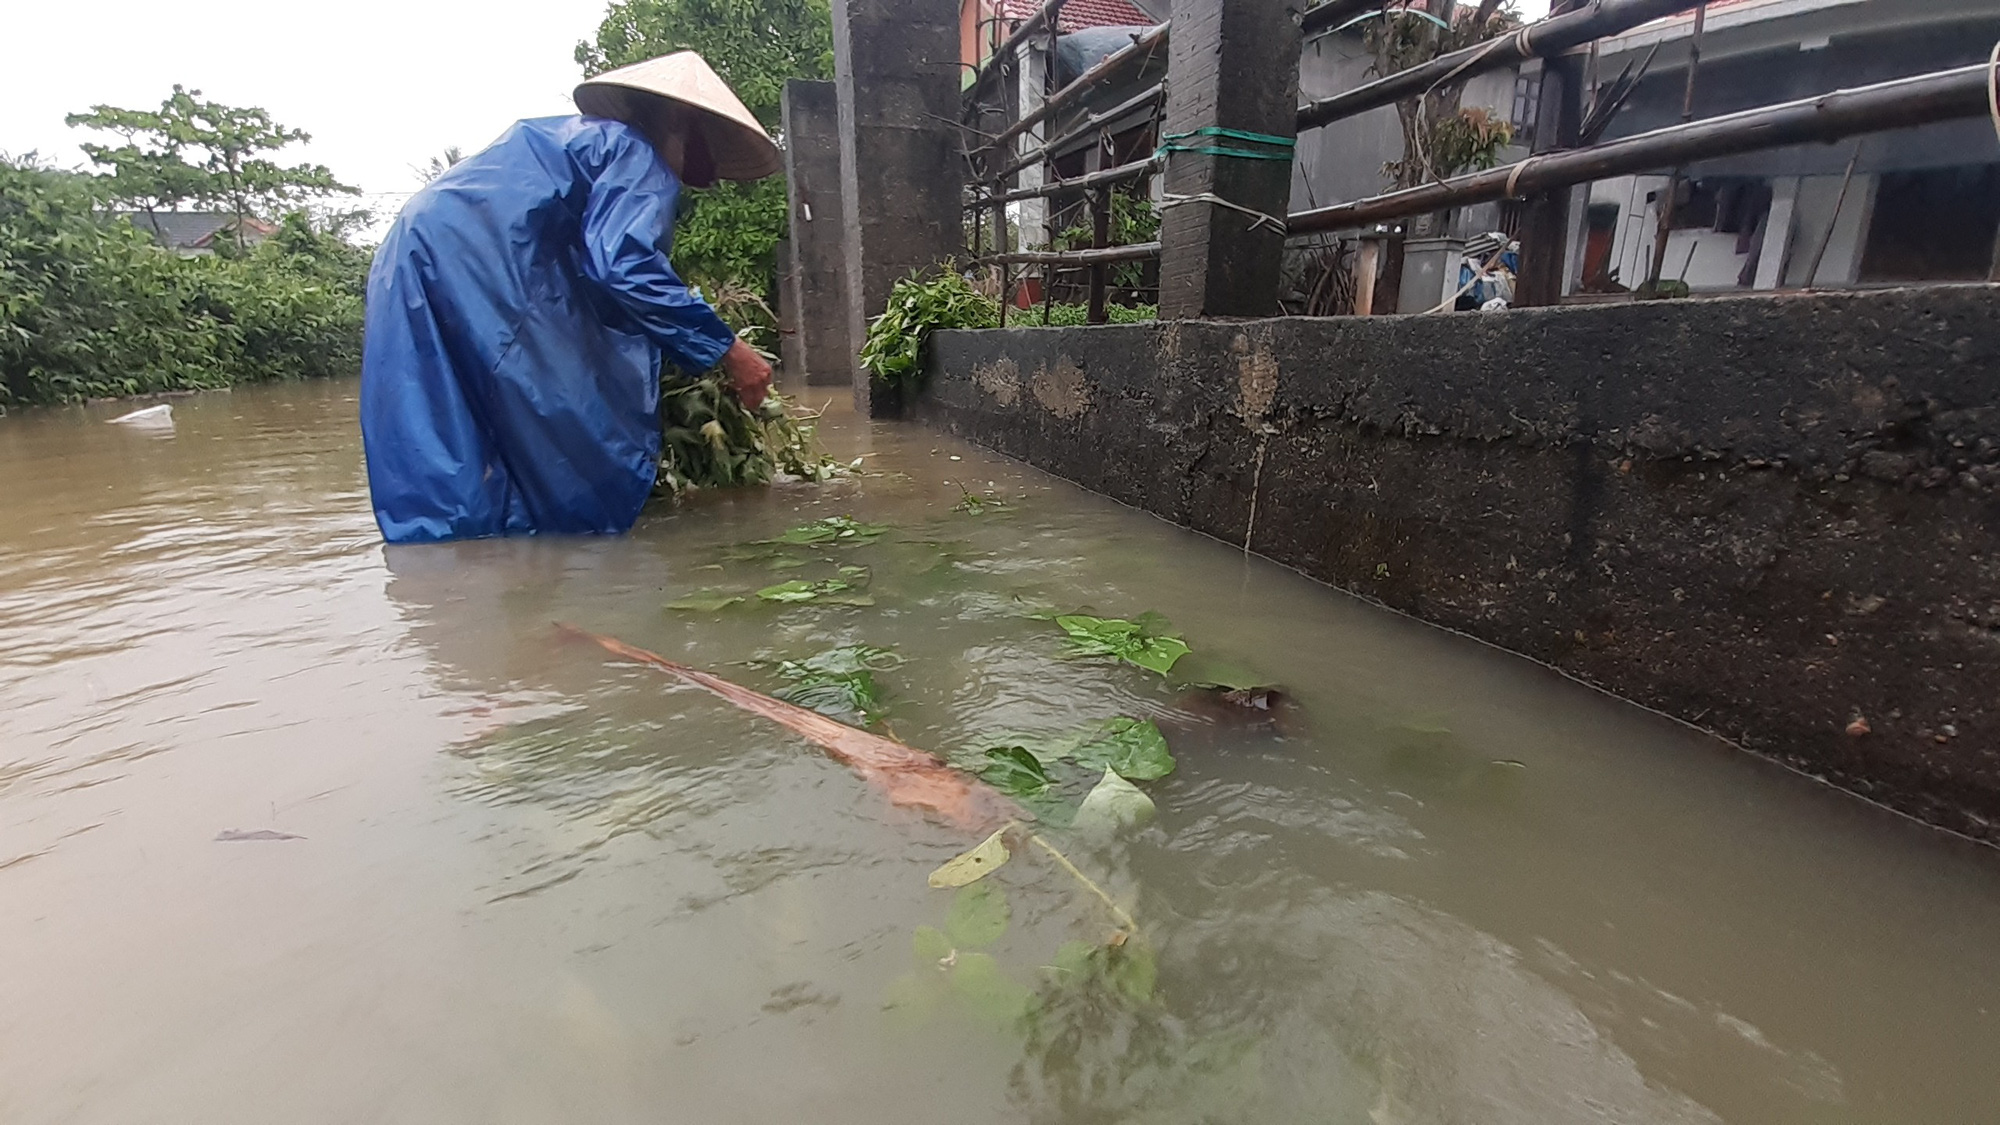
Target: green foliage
x=1133 y=219
x=1133 y=747
x=1435 y=134
x=1062 y=315
x=1015 y=771
x=845 y=589
x=204 y=153
x=711 y=441
x=1113 y=804
x=918 y=306
x=840 y=530
x=978 y=916
x=1144 y=643
x=727 y=234
x=90 y=307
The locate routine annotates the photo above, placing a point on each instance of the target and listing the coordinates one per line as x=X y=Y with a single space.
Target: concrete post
x=901 y=166
x=1233 y=64
x=816 y=267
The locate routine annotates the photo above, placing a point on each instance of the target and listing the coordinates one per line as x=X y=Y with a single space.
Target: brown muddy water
x=532 y=885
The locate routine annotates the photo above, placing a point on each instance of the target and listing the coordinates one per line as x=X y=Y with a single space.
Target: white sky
x=380 y=84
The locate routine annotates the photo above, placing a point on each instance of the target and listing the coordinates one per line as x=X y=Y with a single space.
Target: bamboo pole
x=1943 y=96
x=1111 y=66
x=1549 y=37
x=1138 y=169
x=1673 y=196
x=1044 y=16
x=1089 y=125
x=1133 y=252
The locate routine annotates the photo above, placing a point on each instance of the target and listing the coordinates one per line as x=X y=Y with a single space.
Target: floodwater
x=531 y=884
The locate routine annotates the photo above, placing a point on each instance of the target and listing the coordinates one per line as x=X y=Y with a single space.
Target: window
x=1527 y=106
x=1934 y=225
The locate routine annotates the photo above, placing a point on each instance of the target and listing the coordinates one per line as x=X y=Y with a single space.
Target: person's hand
x=749 y=375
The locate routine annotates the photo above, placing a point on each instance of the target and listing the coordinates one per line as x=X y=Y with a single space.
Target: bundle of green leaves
x=711 y=441
x=918 y=306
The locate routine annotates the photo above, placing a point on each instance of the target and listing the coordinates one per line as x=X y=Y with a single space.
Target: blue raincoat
x=517 y=315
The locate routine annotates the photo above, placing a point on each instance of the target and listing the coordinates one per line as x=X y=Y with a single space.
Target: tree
x=1440 y=138
x=727 y=235
x=440 y=164
x=90 y=307
x=203 y=152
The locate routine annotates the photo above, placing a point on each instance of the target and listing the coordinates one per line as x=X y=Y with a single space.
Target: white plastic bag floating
x=159 y=417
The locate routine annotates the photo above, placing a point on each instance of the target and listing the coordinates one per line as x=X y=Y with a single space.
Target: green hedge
x=90 y=307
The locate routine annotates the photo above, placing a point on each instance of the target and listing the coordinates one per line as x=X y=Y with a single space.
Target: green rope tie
x=1286 y=143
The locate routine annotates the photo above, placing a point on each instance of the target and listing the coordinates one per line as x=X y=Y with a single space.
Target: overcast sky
x=380 y=84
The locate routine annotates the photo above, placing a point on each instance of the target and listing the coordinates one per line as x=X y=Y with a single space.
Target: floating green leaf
x=839 y=682
x=978 y=916
x=1134 y=748
x=1144 y=643
x=1015 y=771
x=972 y=866
x=705 y=601
x=843 y=590
x=972 y=504
x=845 y=530
x=1113 y=804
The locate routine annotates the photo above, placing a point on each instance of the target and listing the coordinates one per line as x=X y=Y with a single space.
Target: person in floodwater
x=521 y=305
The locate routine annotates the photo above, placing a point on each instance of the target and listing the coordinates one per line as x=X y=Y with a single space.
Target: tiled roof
x=1080 y=14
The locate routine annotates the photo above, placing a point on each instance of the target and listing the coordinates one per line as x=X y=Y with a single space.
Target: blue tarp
x=518 y=312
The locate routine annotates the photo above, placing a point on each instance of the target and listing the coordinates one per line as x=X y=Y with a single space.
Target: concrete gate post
x=1233 y=69
x=896 y=65
x=816 y=266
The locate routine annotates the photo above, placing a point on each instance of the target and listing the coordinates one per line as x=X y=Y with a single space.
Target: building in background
x=193 y=233
x=1921 y=204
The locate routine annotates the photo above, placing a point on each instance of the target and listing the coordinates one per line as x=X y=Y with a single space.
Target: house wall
x=1766 y=516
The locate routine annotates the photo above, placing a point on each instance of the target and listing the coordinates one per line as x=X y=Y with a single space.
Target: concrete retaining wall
x=1769 y=517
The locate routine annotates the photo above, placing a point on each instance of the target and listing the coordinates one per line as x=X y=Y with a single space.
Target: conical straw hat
x=739 y=145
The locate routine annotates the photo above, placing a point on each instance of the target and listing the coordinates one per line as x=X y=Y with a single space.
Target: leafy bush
x=90 y=307
x=893 y=351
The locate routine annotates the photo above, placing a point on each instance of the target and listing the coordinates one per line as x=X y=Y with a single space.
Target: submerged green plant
x=846 y=588
x=842 y=530
x=839 y=683
x=1145 y=642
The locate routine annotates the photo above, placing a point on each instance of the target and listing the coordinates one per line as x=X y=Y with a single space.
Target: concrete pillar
x=1033 y=223
x=816 y=263
x=1232 y=64
x=901 y=167
x=791 y=356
